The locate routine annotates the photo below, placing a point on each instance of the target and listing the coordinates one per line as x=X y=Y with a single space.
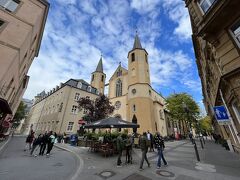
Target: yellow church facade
x=131 y=93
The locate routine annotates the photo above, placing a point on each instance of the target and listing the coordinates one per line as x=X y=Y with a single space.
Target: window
x=119 y=88
x=117 y=105
x=206 y=4
x=133 y=72
x=102 y=78
x=10 y=5
x=236 y=109
x=77 y=96
x=70 y=126
x=1 y=22
x=79 y=85
x=134 y=108
x=146 y=58
x=119 y=73
x=133 y=57
x=235 y=31
x=92 y=77
x=89 y=89
x=74 y=109
x=161 y=114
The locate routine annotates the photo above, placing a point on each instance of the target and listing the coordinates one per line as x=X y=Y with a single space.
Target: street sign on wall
x=221 y=115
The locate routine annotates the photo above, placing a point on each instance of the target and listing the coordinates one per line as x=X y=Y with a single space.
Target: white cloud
x=74 y=40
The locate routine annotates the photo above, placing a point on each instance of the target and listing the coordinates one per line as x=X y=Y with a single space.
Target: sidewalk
x=216 y=163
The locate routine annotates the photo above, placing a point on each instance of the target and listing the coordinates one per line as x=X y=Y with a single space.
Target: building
x=133 y=96
x=22 y=24
x=129 y=90
x=216 y=40
x=58 y=110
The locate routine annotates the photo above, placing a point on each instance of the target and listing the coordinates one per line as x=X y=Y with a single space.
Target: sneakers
x=166 y=164
x=149 y=165
x=140 y=169
x=158 y=167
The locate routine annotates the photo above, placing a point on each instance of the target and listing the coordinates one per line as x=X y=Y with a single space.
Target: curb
x=80 y=162
x=3 y=146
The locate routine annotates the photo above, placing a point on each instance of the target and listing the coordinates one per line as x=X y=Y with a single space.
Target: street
x=17 y=164
x=216 y=163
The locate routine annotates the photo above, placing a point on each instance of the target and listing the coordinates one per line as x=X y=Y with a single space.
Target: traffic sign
x=221 y=115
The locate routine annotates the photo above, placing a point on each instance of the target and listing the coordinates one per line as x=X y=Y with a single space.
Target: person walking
x=129 y=144
x=144 y=148
x=50 y=143
x=119 y=149
x=36 y=143
x=43 y=143
x=29 y=140
x=150 y=141
x=159 y=144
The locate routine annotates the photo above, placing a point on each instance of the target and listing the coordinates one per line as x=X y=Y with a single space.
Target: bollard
x=201 y=143
x=196 y=151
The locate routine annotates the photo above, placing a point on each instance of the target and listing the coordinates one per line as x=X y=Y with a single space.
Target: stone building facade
x=216 y=40
x=22 y=24
x=58 y=110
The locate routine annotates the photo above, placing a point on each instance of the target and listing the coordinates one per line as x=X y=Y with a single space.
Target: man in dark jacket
x=159 y=144
x=144 y=148
x=119 y=149
x=36 y=142
x=43 y=143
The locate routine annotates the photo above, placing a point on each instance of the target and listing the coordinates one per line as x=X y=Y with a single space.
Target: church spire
x=100 y=66
x=137 y=43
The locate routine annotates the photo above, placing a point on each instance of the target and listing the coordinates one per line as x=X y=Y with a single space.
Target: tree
x=20 y=114
x=205 y=125
x=183 y=108
x=97 y=109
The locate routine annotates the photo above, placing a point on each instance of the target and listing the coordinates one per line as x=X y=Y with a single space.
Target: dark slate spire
x=100 y=66
x=137 y=43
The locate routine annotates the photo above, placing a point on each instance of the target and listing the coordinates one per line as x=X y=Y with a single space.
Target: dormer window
x=89 y=89
x=79 y=85
x=206 y=4
x=133 y=57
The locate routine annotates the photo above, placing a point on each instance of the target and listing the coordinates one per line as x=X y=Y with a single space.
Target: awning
x=4 y=106
x=111 y=122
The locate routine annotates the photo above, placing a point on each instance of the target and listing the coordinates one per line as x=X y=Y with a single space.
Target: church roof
x=137 y=43
x=100 y=66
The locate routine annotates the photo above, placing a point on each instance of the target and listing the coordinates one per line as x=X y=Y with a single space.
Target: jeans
x=144 y=157
x=42 y=149
x=49 y=147
x=160 y=156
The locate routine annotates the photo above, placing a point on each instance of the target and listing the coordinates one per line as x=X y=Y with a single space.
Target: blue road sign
x=221 y=114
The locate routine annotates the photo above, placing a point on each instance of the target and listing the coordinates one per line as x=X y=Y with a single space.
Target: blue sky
x=78 y=32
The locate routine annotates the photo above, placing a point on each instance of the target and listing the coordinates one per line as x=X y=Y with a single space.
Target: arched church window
x=133 y=72
x=119 y=88
x=134 y=108
x=133 y=57
x=102 y=78
x=119 y=72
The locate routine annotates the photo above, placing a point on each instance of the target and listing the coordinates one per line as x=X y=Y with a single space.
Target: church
x=131 y=93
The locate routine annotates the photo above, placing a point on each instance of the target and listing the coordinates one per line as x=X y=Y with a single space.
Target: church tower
x=140 y=101
x=98 y=77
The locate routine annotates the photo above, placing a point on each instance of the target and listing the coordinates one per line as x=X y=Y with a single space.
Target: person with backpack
x=144 y=148
x=159 y=144
x=129 y=144
x=50 y=143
